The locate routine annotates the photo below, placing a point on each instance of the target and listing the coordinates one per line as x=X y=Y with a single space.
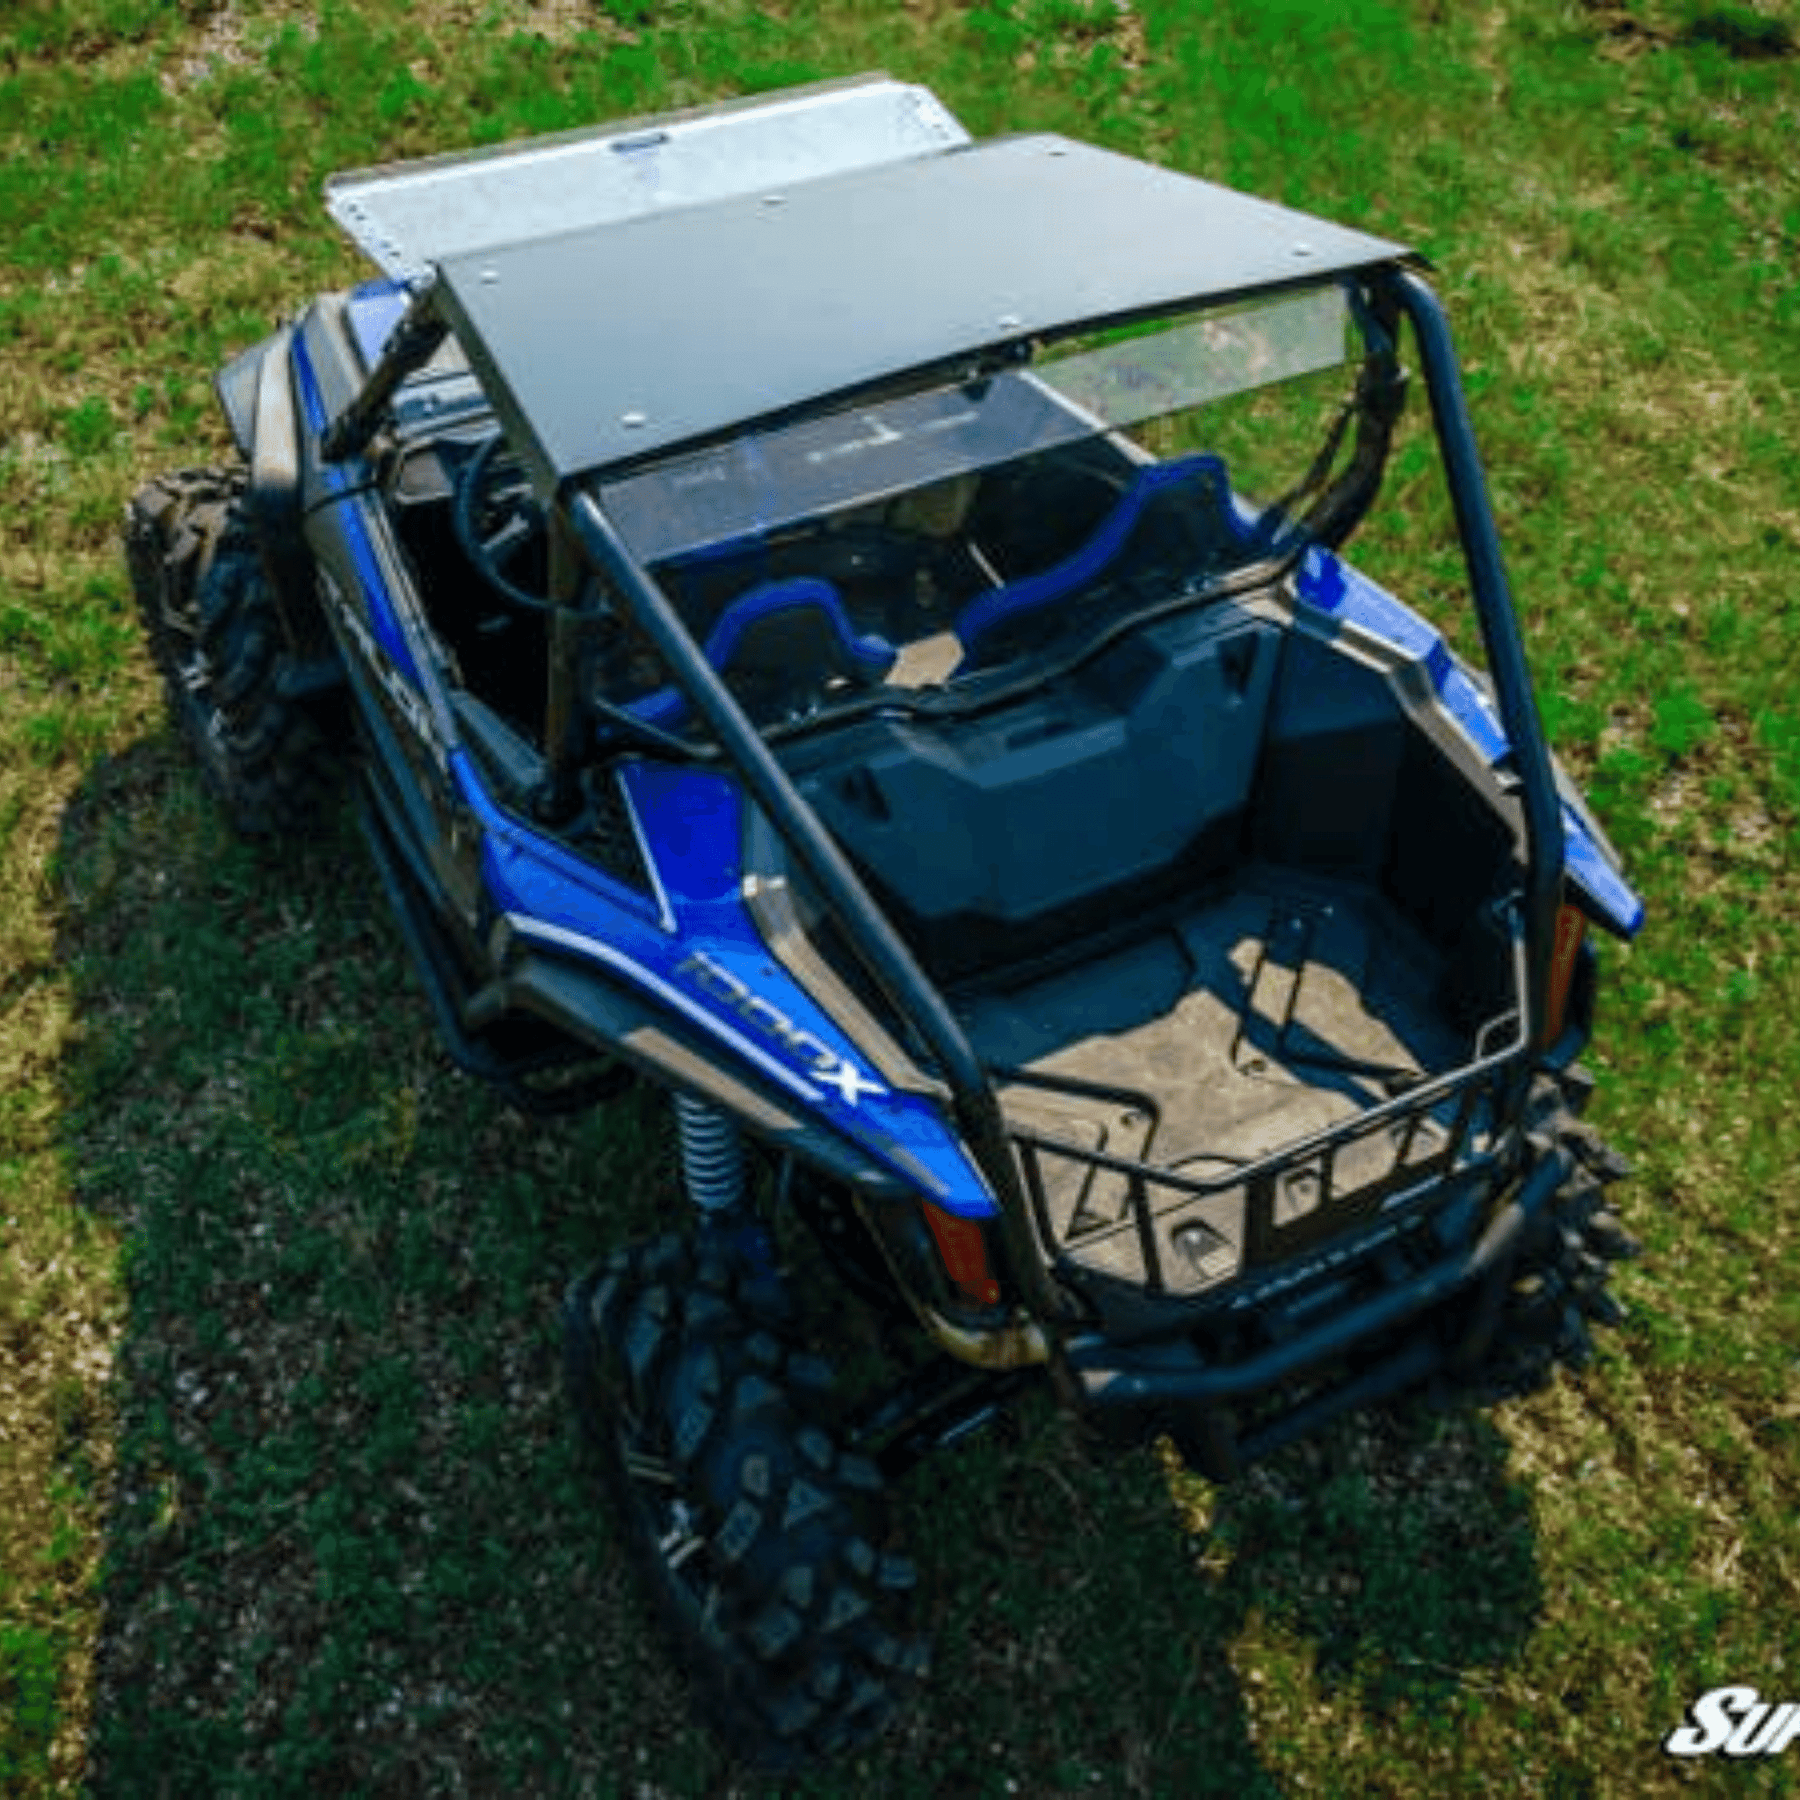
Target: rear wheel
x=217 y=640
x=760 y=1538
x=1560 y=1282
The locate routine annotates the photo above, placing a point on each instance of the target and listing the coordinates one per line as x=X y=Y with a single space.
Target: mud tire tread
x=216 y=636
x=795 y=1633
x=1561 y=1280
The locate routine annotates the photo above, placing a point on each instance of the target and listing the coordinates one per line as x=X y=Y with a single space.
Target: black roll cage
x=874 y=939
x=590 y=533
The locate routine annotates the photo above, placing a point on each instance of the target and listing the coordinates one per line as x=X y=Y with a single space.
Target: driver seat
x=779 y=644
x=1176 y=517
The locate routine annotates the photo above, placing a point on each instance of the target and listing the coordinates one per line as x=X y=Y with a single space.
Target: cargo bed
x=1267 y=1068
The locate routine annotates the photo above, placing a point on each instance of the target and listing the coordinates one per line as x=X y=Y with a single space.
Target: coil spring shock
x=712 y=1155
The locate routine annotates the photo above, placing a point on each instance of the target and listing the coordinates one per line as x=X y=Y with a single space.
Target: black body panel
x=1132 y=771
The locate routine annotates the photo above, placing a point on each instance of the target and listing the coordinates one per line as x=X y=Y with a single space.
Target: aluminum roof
x=406 y=216
x=618 y=340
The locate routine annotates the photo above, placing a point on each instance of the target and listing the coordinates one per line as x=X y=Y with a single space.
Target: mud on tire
x=760 y=1539
x=217 y=641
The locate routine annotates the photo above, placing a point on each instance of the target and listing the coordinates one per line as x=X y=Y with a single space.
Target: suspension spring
x=712 y=1155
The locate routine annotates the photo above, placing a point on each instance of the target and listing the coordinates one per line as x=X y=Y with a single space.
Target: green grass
x=286 y=1500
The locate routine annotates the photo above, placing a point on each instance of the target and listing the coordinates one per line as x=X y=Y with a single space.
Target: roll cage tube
x=886 y=956
x=1500 y=634
x=410 y=346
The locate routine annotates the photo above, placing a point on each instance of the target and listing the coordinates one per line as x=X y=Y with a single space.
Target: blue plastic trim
x=1598 y=882
x=693 y=820
x=1332 y=587
x=384 y=622
x=871 y=655
x=1000 y=604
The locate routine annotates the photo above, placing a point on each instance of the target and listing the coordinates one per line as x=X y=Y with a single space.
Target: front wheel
x=217 y=640
x=760 y=1538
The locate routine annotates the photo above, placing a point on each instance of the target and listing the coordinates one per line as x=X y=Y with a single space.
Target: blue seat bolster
x=870 y=655
x=1002 y=604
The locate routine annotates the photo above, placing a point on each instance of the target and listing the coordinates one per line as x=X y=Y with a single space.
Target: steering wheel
x=500 y=525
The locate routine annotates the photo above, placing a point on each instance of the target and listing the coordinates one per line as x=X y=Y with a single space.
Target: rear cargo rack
x=1189 y=1232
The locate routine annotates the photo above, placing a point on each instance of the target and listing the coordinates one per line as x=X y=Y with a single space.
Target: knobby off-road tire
x=1560 y=1282
x=761 y=1540
x=217 y=640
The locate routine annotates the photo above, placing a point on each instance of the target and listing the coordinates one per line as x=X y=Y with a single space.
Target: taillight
x=963 y=1248
x=1571 y=928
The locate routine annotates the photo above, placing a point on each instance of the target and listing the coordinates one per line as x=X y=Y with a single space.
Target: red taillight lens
x=1571 y=927
x=964 y=1251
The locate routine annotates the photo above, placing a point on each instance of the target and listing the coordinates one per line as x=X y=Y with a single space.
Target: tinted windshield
x=930 y=538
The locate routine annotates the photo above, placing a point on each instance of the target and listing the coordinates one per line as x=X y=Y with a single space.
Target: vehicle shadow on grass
x=1149 y=1634
x=353 y=1546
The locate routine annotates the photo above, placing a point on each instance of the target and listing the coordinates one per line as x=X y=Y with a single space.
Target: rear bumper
x=1417 y=1323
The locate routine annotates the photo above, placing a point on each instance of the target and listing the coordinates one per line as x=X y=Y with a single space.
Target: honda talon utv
x=852 y=625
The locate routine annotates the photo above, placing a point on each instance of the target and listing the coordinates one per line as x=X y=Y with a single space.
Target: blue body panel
x=697 y=942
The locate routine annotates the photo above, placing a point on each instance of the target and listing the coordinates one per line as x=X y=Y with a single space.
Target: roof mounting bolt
x=489 y=276
x=1009 y=322
x=774 y=199
x=633 y=420
x=1304 y=250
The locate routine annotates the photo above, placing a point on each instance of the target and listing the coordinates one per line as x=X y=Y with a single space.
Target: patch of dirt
x=555 y=21
x=231 y=40
x=1741 y=32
